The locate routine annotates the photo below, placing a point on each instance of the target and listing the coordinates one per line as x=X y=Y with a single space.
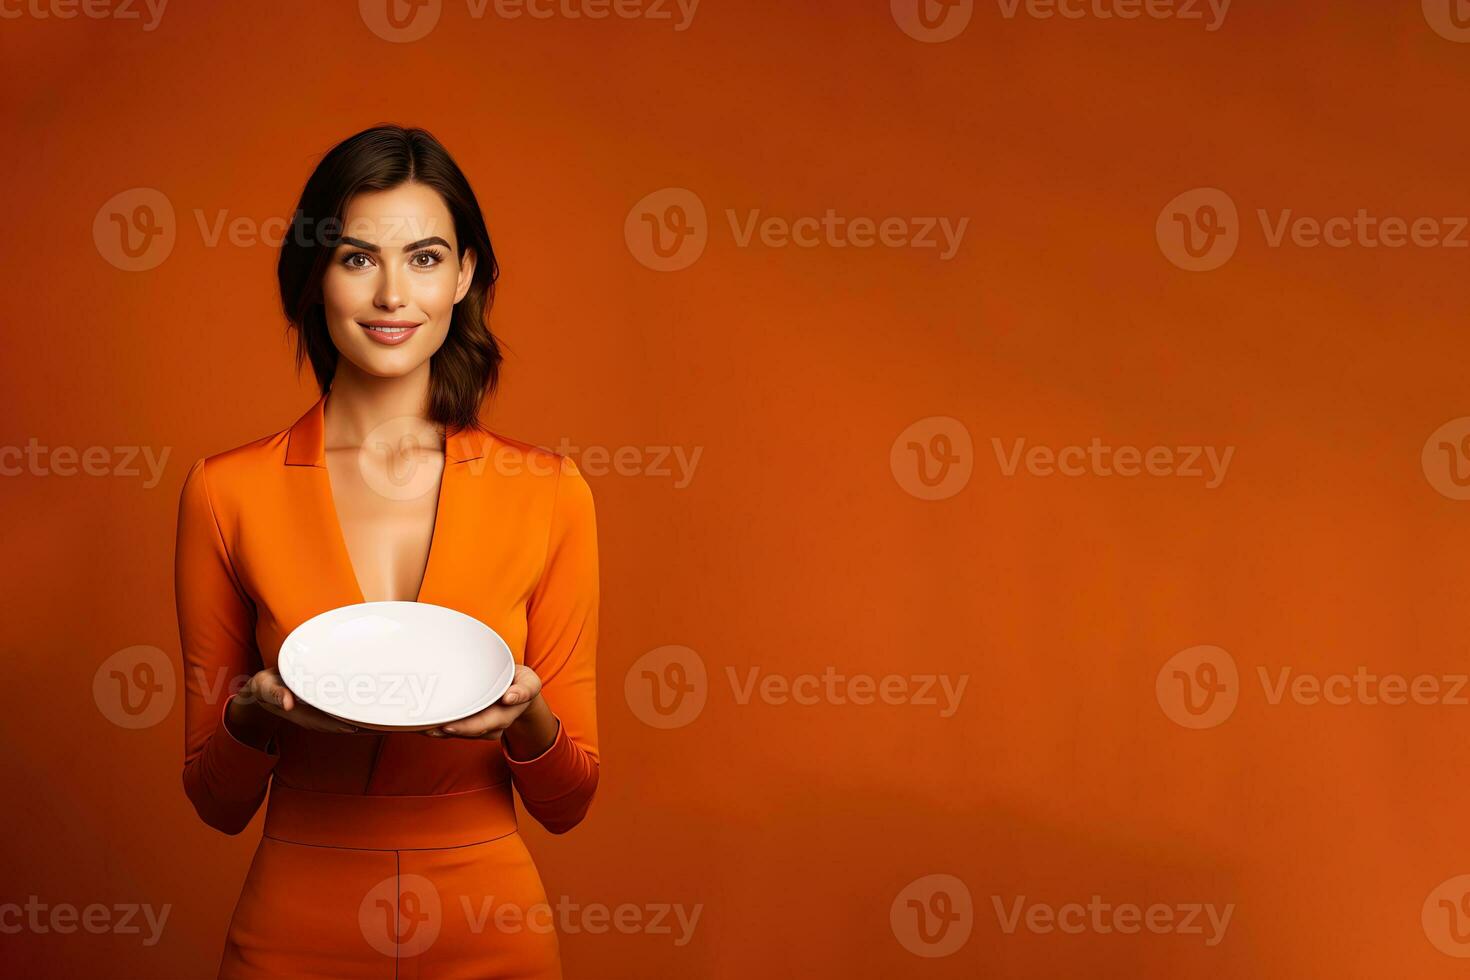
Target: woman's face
x=390 y=289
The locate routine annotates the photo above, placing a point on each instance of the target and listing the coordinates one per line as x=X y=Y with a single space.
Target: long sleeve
x=224 y=778
x=557 y=786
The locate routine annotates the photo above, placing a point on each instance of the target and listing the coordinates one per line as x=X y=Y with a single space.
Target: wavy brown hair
x=466 y=368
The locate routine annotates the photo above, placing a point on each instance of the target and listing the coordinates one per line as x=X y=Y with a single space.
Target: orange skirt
x=392 y=887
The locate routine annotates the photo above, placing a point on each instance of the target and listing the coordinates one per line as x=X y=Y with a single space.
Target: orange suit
x=387 y=855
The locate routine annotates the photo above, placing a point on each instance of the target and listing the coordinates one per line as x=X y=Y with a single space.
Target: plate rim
x=283 y=653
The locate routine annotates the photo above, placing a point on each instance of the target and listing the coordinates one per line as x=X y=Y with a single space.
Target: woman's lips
x=389 y=333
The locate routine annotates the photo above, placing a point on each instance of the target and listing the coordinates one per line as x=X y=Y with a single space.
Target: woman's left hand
x=491 y=723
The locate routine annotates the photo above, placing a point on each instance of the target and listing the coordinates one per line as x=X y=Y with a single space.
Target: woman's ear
x=466 y=274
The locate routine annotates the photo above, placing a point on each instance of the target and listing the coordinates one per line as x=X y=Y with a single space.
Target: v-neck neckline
x=335 y=519
x=306 y=446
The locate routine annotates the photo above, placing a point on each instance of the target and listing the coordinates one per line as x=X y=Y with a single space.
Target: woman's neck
x=363 y=408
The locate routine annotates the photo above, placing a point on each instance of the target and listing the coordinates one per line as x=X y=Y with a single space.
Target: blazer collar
x=305 y=445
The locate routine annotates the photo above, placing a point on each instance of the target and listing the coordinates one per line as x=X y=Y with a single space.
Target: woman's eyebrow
x=411 y=246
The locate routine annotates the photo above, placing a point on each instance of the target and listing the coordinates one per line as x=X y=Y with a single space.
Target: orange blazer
x=260 y=550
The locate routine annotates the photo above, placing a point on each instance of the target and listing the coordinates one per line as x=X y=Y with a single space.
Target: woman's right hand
x=257 y=710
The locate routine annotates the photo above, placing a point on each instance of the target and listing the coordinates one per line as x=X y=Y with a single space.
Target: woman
x=388 y=855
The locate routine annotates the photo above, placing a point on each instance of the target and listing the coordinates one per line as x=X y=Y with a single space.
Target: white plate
x=396 y=666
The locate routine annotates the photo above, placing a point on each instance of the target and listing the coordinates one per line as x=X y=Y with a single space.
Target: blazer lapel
x=306 y=447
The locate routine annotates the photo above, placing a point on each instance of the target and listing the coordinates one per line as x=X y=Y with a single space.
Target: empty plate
x=396 y=666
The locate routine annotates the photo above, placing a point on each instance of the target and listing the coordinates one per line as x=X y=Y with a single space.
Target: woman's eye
x=351 y=263
x=434 y=257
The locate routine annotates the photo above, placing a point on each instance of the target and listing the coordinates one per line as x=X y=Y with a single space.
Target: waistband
x=389 y=823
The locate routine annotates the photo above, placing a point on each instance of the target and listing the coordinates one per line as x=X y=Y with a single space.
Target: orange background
x=794 y=547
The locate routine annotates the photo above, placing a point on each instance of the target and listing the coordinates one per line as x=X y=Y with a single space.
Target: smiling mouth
x=391 y=329
x=389 y=333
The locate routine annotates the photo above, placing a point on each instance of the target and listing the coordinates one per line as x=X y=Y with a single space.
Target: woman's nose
x=389 y=289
